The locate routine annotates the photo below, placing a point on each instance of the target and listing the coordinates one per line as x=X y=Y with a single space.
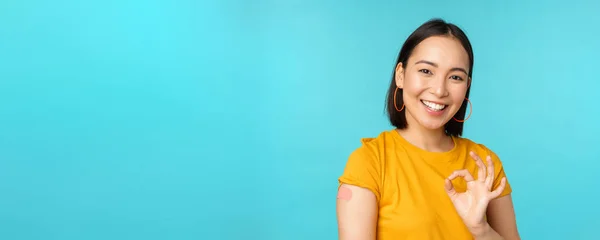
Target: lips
x=433 y=106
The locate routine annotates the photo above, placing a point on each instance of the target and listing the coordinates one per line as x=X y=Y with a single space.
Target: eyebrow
x=435 y=65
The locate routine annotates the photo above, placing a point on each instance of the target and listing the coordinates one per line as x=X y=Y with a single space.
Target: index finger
x=461 y=173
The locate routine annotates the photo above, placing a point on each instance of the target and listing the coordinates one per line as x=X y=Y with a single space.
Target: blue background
x=233 y=119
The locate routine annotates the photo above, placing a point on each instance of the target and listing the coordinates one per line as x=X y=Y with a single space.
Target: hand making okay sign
x=472 y=204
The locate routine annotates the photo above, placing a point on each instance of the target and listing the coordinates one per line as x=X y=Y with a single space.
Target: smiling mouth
x=434 y=106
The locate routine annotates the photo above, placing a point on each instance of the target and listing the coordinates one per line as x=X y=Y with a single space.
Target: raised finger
x=499 y=189
x=489 y=179
x=461 y=173
x=481 y=176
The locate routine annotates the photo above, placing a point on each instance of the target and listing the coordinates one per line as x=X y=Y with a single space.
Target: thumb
x=449 y=187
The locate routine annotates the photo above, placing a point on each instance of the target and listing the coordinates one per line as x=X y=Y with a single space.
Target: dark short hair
x=433 y=27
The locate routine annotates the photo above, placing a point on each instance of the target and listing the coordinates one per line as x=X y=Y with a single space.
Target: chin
x=433 y=124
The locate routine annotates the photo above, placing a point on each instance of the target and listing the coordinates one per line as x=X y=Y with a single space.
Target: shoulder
x=370 y=154
x=364 y=167
x=482 y=150
x=373 y=147
x=478 y=147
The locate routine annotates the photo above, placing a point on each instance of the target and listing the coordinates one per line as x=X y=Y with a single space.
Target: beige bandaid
x=344 y=193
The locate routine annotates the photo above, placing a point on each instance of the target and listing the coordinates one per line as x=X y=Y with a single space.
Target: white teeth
x=434 y=106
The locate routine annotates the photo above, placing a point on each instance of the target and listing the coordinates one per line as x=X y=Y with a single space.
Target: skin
x=436 y=71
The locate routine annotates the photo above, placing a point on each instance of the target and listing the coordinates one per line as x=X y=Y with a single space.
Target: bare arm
x=501 y=223
x=356 y=213
x=501 y=217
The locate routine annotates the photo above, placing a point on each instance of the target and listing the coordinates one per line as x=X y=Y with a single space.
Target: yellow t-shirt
x=408 y=183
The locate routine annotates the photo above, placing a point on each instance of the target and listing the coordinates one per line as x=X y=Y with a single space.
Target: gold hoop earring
x=396 y=106
x=470 y=112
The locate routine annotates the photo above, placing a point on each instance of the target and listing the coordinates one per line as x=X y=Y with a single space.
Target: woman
x=422 y=180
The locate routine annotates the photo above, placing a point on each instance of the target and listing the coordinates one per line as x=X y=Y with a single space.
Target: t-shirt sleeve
x=499 y=173
x=363 y=169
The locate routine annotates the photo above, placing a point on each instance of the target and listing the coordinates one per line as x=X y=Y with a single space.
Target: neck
x=433 y=140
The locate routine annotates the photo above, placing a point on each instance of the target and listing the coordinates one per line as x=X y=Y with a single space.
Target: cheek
x=413 y=85
x=459 y=93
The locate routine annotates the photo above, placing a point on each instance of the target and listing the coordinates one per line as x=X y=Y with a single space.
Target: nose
x=438 y=87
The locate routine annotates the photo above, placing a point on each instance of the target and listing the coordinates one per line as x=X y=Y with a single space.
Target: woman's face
x=434 y=81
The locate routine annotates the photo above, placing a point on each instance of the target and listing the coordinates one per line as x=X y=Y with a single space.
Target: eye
x=456 y=78
x=426 y=71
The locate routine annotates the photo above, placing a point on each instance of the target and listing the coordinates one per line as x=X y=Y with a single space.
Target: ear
x=399 y=76
x=469 y=82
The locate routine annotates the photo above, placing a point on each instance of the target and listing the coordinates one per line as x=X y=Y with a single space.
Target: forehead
x=445 y=51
